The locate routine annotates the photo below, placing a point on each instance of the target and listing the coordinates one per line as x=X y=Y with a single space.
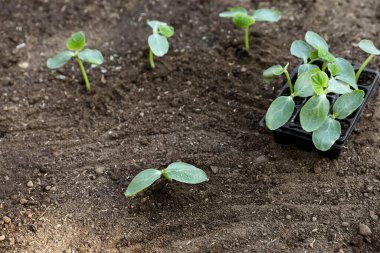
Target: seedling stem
x=369 y=59
x=324 y=66
x=151 y=60
x=87 y=83
x=246 y=37
x=289 y=81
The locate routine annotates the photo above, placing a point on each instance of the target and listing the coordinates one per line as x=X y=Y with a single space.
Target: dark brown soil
x=201 y=105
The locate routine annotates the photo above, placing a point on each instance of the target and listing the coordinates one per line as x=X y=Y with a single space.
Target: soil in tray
x=200 y=106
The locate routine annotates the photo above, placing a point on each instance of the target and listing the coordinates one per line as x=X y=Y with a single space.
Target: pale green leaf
x=334 y=69
x=242 y=20
x=325 y=55
x=338 y=87
x=76 y=42
x=368 y=47
x=347 y=104
x=347 y=72
x=279 y=112
x=92 y=56
x=266 y=15
x=325 y=136
x=155 y=25
x=303 y=86
x=314 y=113
x=316 y=41
x=232 y=12
x=185 y=173
x=59 y=60
x=269 y=73
x=159 y=44
x=319 y=81
x=306 y=67
x=142 y=181
x=301 y=50
x=166 y=31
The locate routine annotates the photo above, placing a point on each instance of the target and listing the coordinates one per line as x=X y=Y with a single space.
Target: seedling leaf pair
x=158 y=41
x=242 y=19
x=75 y=45
x=179 y=171
x=368 y=47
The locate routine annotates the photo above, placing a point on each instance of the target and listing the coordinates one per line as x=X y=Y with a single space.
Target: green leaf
x=314 y=113
x=303 y=86
x=338 y=87
x=242 y=20
x=92 y=56
x=269 y=73
x=166 y=31
x=279 y=112
x=76 y=42
x=334 y=69
x=59 y=60
x=316 y=41
x=347 y=72
x=232 y=12
x=142 y=181
x=368 y=47
x=325 y=136
x=159 y=44
x=185 y=173
x=155 y=25
x=305 y=68
x=301 y=50
x=347 y=104
x=314 y=55
x=325 y=55
x=266 y=15
x=319 y=81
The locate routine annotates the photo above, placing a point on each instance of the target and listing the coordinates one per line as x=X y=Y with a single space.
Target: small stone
x=288 y=217
x=99 y=170
x=30 y=184
x=314 y=219
x=6 y=219
x=373 y=216
x=261 y=159
x=2 y=238
x=23 y=65
x=345 y=224
x=317 y=170
x=142 y=114
x=214 y=169
x=53 y=189
x=243 y=69
x=23 y=201
x=47 y=188
x=364 y=230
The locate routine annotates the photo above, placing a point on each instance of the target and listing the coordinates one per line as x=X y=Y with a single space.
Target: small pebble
x=364 y=230
x=288 y=217
x=6 y=219
x=345 y=224
x=317 y=170
x=2 y=238
x=214 y=169
x=23 y=201
x=99 y=170
x=314 y=219
x=48 y=188
x=30 y=184
x=373 y=216
x=261 y=159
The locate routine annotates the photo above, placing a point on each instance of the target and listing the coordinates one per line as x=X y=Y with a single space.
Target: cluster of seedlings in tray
x=315 y=82
x=321 y=74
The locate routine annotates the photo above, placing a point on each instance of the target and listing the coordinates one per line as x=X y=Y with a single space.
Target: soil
x=67 y=155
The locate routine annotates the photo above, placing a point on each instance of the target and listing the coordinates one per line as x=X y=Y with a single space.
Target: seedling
x=368 y=47
x=179 y=171
x=75 y=45
x=158 y=42
x=315 y=84
x=242 y=19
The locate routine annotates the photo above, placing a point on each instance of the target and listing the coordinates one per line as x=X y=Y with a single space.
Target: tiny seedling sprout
x=75 y=45
x=179 y=171
x=368 y=47
x=314 y=84
x=242 y=19
x=158 y=42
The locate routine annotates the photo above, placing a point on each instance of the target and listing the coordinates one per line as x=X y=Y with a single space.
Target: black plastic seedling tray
x=292 y=132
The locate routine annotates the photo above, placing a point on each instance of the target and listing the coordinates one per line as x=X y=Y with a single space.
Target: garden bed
x=201 y=105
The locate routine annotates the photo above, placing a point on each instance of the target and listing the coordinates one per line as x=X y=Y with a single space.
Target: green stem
x=246 y=38
x=370 y=58
x=289 y=82
x=324 y=66
x=151 y=60
x=87 y=83
x=165 y=175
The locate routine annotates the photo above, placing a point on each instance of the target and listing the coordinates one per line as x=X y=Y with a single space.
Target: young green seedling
x=158 y=42
x=368 y=47
x=179 y=171
x=314 y=84
x=242 y=19
x=75 y=45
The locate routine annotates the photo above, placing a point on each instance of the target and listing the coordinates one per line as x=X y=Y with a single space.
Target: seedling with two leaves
x=75 y=45
x=314 y=82
x=179 y=171
x=242 y=19
x=158 y=41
